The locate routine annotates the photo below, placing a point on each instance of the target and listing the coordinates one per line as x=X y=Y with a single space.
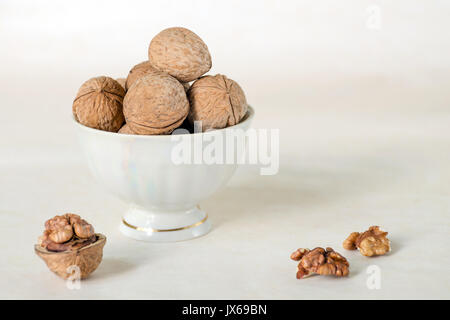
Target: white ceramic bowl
x=163 y=196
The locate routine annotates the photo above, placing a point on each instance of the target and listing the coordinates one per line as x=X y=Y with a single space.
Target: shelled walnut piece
x=370 y=243
x=320 y=261
x=67 y=232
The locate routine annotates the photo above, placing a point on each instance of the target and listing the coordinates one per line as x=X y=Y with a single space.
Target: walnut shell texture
x=126 y=129
x=87 y=258
x=138 y=71
x=181 y=53
x=217 y=102
x=186 y=86
x=122 y=82
x=155 y=104
x=98 y=104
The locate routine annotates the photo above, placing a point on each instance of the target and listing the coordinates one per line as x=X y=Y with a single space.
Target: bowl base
x=164 y=226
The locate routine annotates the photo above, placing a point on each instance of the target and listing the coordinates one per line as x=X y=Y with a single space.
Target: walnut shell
x=126 y=129
x=217 y=102
x=155 y=104
x=86 y=258
x=186 y=86
x=121 y=81
x=138 y=71
x=180 y=53
x=98 y=104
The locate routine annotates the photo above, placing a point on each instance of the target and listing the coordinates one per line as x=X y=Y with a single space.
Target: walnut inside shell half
x=320 y=261
x=69 y=241
x=372 y=242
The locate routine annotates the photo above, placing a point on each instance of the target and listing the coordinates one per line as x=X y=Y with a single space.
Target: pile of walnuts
x=164 y=93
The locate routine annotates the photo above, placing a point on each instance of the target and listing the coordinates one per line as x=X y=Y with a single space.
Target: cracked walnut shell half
x=70 y=241
x=320 y=261
x=155 y=104
x=98 y=104
x=87 y=258
x=217 y=102
x=372 y=242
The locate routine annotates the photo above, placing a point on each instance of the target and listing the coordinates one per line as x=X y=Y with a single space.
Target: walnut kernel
x=350 y=242
x=66 y=232
x=370 y=243
x=320 y=261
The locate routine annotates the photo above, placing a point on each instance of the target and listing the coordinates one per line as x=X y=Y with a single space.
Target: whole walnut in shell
x=121 y=81
x=180 y=53
x=138 y=71
x=217 y=102
x=98 y=104
x=155 y=104
x=69 y=241
x=126 y=129
x=186 y=86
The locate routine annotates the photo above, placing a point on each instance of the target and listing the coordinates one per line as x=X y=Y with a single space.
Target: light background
x=364 y=133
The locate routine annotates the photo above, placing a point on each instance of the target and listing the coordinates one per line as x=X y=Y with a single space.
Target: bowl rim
x=248 y=117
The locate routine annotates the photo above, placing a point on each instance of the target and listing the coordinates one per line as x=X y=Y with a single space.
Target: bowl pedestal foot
x=158 y=225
